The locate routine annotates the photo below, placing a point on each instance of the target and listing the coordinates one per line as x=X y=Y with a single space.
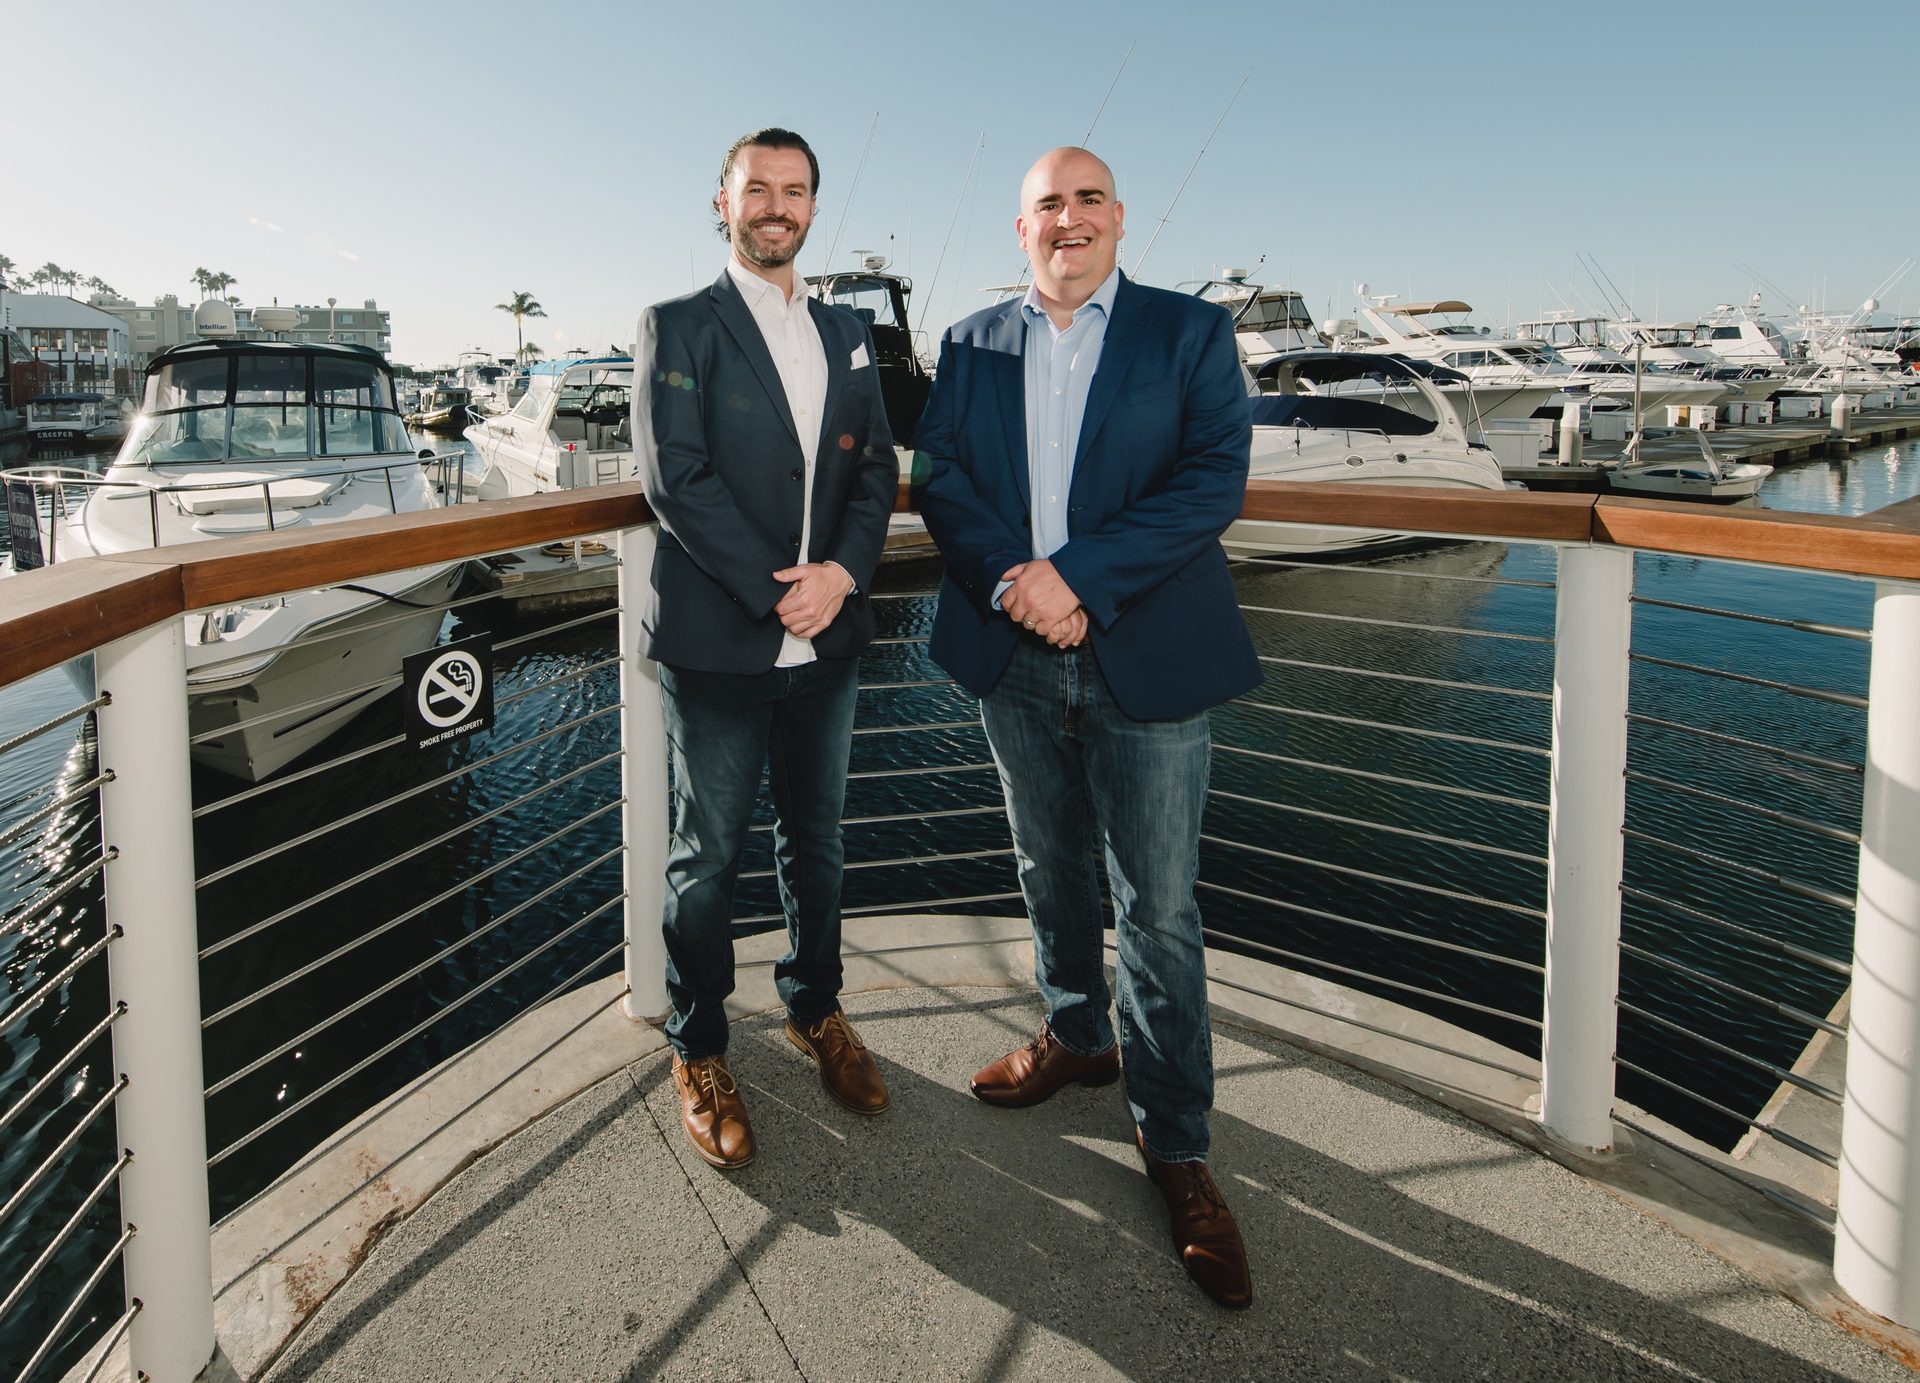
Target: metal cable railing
x=1747 y=679
x=1392 y=779
x=1418 y=732
x=1767 y=1068
x=1805 y=626
x=363 y=813
x=1797 y=756
x=412 y=853
x=446 y=1010
x=1489 y=925
x=439 y=957
x=1781 y=1136
x=1741 y=804
x=443 y=896
x=1747 y=935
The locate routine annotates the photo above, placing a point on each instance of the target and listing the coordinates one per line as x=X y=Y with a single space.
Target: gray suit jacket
x=721 y=461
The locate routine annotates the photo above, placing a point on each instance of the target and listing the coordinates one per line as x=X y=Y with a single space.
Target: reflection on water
x=1439 y=834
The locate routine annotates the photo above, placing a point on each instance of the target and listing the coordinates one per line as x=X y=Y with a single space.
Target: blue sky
x=438 y=157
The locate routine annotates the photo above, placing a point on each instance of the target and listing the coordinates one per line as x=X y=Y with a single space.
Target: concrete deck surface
x=1390 y=1238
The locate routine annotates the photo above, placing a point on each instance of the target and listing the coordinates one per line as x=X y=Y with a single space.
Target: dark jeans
x=721 y=728
x=1080 y=775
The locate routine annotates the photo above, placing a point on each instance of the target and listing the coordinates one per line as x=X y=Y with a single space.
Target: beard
x=757 y=251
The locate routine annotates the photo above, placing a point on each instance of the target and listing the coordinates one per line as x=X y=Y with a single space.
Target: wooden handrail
x=50 y=616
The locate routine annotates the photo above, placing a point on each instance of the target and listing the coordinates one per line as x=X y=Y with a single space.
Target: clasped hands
x=1039 y=600
x=811 y=603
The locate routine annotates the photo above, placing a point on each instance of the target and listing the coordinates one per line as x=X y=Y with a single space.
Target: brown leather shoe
x=714 y=1113
x=1204 y=1233
x=846 y=1066
x=1032 y=1073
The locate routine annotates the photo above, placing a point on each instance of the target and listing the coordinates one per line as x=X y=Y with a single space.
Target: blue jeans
x=1080 y=774
x=721 y=728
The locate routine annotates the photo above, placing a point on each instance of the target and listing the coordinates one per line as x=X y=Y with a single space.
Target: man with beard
x=1087 y=448
x=763 y=446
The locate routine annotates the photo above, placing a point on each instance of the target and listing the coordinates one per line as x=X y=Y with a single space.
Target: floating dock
x=1771 y=444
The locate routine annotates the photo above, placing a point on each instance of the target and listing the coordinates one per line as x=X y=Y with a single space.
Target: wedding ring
x=1028 y=623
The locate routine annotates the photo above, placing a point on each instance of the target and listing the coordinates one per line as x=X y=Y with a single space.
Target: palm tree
x=203 y=280
x=6 y=268
x=530 y=350
x=50 y=274
x=523 y=305
x=100 y=285
x=221 y=282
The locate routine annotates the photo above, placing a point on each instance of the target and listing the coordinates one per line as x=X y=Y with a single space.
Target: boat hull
x=253 y=726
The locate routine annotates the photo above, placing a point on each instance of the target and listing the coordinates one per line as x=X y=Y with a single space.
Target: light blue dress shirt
x=1060 y=366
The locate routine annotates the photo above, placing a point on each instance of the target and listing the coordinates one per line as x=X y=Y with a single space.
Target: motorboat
x=482 y=376
x=1267 y=320
x=443 y=408
x=879 y=300
x=1438 y=331
x=76 y=420
x=1306 y=428
x=572 y=427
x=1674 y=347
x=243 y=437
x=1707 y=478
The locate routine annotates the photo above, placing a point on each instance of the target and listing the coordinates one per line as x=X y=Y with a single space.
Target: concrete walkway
x=1390 y=1237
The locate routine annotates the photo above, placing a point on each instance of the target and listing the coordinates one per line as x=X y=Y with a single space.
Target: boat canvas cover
x=1423 y=309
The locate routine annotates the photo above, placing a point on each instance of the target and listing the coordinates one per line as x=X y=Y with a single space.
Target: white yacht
x=1267 y=320
x=572 y=427
x=1708 y=478
x=239 y=437
x=76 y=420
x=1306 y=428
x=1676 y=348
x=1438 y=331
x=1741 y=336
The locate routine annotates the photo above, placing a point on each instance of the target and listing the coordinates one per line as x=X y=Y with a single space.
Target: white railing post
x=643 y=777
x=1876 y=1249
x=146 y=811
x=1586 y=811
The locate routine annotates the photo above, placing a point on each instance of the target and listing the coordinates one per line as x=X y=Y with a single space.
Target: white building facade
x=81 y=347
x=168 y=322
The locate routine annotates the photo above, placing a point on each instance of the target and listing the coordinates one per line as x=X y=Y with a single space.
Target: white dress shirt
x=786 y=325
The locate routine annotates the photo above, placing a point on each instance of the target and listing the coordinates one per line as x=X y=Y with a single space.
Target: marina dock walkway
x=1391 y=1237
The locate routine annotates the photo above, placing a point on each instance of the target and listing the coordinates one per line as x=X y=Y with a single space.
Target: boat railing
x=59 y=491
x=1521 y=914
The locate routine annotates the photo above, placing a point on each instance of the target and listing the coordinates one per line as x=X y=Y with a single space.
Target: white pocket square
x=859 y=361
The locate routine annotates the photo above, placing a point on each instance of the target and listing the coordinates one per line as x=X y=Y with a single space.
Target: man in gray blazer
x=764 y=449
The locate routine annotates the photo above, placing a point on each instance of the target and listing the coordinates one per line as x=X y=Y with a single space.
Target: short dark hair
x=772 y=137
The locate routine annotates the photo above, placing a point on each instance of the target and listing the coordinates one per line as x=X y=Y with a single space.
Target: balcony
x=1428 y=1190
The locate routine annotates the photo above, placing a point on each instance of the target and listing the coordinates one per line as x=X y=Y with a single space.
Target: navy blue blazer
x=720 y=458
x=1160 y=471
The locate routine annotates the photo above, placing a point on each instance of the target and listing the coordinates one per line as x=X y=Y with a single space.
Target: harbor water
x=497 y=863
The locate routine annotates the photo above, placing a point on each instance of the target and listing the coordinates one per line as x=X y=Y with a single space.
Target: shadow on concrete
x=946 y=1238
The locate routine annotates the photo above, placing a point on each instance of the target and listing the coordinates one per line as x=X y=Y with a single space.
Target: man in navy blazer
x=763 y=445
x=1080 y=456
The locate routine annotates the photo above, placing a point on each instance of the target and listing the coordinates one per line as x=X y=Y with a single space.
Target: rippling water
x=500 y=861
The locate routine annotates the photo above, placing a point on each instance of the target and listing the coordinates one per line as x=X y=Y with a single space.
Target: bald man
x=1081 y=454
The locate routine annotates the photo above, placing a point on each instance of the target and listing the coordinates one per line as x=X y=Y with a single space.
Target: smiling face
x=1070 y=224
x=768 y=204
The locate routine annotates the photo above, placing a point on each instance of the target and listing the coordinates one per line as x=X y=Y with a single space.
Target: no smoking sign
x=448 y=692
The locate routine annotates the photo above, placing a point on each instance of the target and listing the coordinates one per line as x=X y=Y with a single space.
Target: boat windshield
x=582 y=391
x=1532 y=354
x=243 y=407
x=1275 y=312
x=869 y=299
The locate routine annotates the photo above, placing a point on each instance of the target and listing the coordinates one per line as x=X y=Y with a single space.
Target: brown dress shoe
x=714 y=1113
x=846 y=1066
x=1204 y=1234
x=1032 y=1073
